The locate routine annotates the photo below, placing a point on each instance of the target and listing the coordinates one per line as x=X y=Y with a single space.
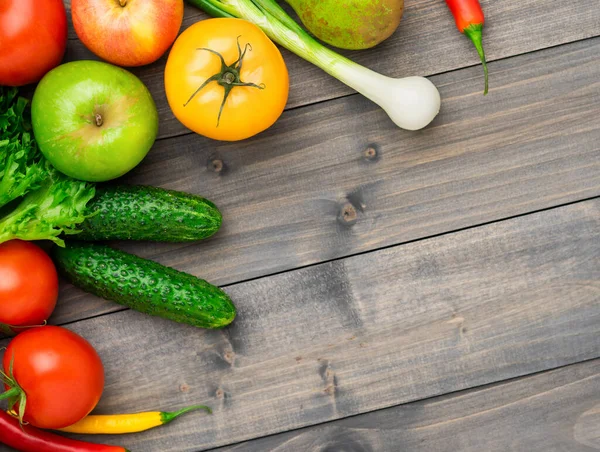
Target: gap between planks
x=535 y=147
x=439 y=48
x=355 y=335
x=347 y=95
x=442 y=418
x=224 y=286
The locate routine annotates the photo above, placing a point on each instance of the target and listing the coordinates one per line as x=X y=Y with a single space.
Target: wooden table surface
x=397 y=291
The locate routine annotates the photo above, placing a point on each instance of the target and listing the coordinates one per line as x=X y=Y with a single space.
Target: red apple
x=127 y=32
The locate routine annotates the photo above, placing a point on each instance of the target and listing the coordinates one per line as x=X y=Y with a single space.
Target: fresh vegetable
x=350 y=24
x=28 y=286
x=127 y=32
x=144 y=285
x=469 y=19
x=22 y=167
x=53 y=377
x=32 y=39
x=36 y=201
x=56 y=208
x=412 y=102
x=115 y=213
x=93 y=121
x=25 y=438
x=149 y=213
x=226 y=80
x=55 y=204
x=52 y=204
x=127 y=423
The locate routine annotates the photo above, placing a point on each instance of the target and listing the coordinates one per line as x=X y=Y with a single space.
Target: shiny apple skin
x=135 y=34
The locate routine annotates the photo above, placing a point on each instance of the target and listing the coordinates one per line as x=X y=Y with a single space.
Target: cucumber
x=129 y=212
x=144 y=285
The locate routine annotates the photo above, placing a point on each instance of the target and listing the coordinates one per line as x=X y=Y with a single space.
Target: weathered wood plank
x=363 y=333
x=555 y=411
x=536 y=145
x=426 y=43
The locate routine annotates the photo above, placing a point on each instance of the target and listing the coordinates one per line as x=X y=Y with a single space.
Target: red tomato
x=28 y=284
x=60 y=373
x=33 y=38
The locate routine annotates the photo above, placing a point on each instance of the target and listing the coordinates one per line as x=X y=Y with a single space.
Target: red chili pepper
x=469 y=20
x=29 y=439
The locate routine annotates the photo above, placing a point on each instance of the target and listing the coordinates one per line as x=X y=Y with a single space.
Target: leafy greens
x=21 y=164
x=36 y=201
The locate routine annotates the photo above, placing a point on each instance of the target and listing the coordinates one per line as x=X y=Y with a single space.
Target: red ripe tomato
x=59 y=372
x=28 y=284
x=33 y=38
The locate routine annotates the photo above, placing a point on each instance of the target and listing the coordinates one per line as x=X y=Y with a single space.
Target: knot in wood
x=229 y=356
x=370 y=153
x=216 y=165
x=348 y=214
x=329 y=390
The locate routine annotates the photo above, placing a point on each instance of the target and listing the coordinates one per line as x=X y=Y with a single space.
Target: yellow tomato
x=226 y=80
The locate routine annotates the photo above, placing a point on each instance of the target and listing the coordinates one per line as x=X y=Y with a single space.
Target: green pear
x=350 y=24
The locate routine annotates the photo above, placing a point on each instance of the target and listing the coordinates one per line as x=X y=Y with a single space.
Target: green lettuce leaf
x=55 y=208
x=36 y=201
x=22 y=166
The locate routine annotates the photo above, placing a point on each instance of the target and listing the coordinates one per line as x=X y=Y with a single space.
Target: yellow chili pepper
x=127 y=423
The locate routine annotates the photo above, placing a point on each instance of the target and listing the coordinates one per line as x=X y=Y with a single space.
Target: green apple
x=93 y=121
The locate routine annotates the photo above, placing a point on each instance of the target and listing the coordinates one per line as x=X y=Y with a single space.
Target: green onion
x=411 y=102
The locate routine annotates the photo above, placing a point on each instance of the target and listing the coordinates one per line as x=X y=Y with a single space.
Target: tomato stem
x=15 y=394
x=6 y=329
x=11 y=393
x=11 y=330
x=228 y=77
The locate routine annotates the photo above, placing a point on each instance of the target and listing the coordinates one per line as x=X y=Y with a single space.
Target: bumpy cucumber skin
x=137 y=212
x=144 y=285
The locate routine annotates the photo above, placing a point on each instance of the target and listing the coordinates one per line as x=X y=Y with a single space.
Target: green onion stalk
x=411 y=102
